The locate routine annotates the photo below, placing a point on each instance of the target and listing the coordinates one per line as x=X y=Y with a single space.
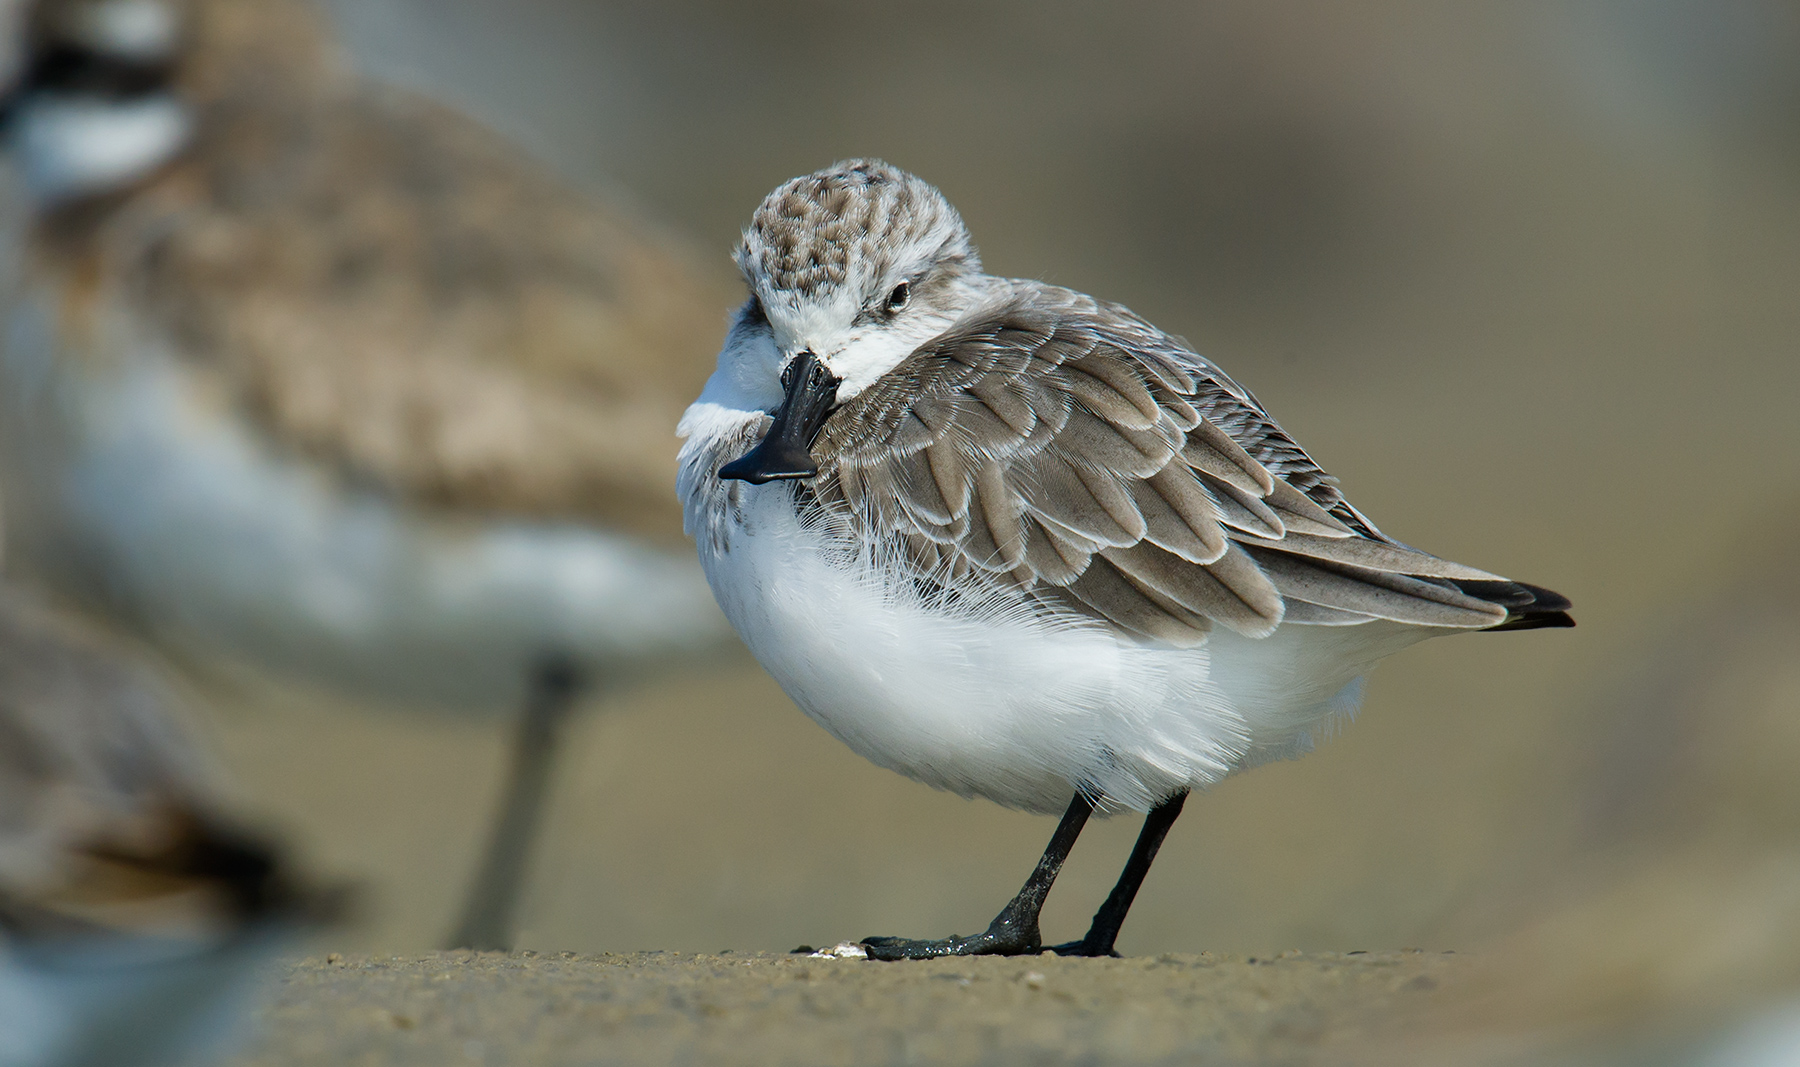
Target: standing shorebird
x=313 y=374
x=132 y=917
x=1015 y=542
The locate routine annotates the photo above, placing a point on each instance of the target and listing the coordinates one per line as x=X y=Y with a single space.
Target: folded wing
x=1074 y=451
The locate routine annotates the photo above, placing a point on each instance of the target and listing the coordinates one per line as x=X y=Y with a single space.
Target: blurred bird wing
x=73 y=712
x=104 y=821
x=1069 y=449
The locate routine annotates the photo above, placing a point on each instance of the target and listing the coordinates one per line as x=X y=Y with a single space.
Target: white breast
x=996 y=699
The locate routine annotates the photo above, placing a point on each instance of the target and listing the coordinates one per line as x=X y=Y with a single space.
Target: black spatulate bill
x=786 y=450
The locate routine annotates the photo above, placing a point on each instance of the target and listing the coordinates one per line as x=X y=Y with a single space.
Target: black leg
x=1014 y=932
x=1111 y=916
x=488 y=915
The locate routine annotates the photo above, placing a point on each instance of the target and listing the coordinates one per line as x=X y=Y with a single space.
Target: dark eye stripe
x=82 y=71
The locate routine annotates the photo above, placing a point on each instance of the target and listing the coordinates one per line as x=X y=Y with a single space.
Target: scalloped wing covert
x=1069 y=449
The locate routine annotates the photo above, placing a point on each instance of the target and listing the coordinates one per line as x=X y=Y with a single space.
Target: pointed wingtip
x=1529 y=607
x=1547 y=599
x=1555 y=620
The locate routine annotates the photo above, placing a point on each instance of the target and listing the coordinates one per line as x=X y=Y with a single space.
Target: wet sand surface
x=667 y=1007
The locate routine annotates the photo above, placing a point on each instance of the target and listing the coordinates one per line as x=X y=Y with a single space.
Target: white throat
x=69 y=147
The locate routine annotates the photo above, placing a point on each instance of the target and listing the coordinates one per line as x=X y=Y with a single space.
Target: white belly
x=1000 y=702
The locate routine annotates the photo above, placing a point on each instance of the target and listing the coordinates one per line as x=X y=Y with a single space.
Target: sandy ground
x=668 y=1007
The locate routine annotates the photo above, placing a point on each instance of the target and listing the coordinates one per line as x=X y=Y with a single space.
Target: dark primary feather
x=1068 y=449
x=1529 y=607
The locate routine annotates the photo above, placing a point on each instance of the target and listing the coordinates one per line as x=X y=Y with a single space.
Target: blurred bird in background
x=313 y=375
x=133 y=919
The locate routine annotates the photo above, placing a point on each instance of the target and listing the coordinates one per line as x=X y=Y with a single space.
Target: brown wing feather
x=1068 y=448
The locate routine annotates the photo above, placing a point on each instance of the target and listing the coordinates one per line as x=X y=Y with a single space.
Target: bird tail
x=1528 y=607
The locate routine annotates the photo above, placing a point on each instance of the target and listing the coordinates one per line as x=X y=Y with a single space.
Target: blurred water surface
x=1523 y=275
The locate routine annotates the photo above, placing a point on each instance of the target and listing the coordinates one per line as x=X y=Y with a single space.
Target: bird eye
x=900 y=297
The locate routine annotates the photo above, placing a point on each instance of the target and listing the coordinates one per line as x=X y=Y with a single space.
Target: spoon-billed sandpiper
x=1016 y=542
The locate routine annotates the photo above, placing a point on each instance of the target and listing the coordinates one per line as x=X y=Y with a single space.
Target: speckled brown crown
x=803 y=236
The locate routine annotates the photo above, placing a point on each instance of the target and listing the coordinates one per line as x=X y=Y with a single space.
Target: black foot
x=1014 y=932
x=991 y=943
x=1084 y=948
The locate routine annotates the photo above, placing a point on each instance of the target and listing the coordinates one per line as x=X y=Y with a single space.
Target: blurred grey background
x=1526 y=276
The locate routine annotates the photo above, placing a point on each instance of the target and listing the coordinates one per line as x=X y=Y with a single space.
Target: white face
x=858 y=332
x=100 y=123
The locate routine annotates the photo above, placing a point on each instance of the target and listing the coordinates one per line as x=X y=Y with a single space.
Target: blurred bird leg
x=487 y=921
